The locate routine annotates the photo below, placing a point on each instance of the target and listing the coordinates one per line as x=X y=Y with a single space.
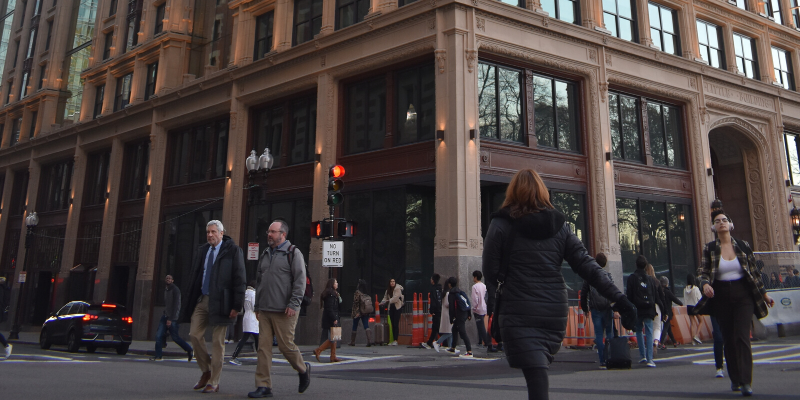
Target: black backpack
x=596 y=300
x=462 y=301
x=308 y=295
x=643 y=294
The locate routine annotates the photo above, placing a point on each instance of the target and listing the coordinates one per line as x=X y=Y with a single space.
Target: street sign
x=252 y=251
x=332 y=253
x=22 y=276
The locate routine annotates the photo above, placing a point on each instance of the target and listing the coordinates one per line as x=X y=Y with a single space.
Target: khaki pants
x=197 y=334
x=282 y=327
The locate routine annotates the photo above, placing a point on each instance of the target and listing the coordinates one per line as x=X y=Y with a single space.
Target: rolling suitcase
x=380 y=330
x=618 y=352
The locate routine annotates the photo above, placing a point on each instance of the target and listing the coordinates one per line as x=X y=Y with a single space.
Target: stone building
x=126 y=125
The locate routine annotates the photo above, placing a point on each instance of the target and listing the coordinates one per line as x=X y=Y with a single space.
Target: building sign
x=22 y=277
x=252 y=251
x=332 y=253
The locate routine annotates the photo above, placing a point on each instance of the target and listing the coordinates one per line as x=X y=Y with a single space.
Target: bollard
x=415 y=328
x=429 y=319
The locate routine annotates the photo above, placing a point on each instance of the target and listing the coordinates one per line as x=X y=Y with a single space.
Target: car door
x=56 y=328
x=75 y=317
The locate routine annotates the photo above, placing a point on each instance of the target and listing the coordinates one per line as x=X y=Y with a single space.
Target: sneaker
x=642 y=361
x=454 y=351
x=651 y=364
x=8 y=350
x=696 y=340
x=425 y=345
x=393 y=343
x=603 y=366
x=305 y=379
x=467 y=355
x=720 y=374
x=156 y=359
x=436 y=346
x=235 y=361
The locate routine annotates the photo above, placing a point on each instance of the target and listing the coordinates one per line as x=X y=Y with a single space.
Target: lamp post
x=261 y=163
x=716 y=205
x=30 y=222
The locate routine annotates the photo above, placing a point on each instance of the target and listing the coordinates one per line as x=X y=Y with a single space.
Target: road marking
x=711 y=353
x=345 y=360
x=771 y=360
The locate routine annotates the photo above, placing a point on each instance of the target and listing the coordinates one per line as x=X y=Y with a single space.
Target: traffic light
x=346 y=229
x=335 y=185
x=320 y=229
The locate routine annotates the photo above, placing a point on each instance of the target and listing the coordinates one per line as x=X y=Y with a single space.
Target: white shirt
x=478 y=305
x=249 y=322
x=691 y=296
x=729 y=270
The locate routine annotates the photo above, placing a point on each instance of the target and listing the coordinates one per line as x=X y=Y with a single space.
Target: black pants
x=667 y=330
x=245 y=336
x=3 y=340
x=538 y=383
x=719 y=342
x=437 y=320
x=460 y=328
x=394 y=315
x=733 y=308
x=483 y=337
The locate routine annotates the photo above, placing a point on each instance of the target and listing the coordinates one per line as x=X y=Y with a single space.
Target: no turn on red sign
x=333 y=253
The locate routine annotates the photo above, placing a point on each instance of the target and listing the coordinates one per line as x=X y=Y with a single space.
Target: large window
x=555 y=106
x=662 y=232
x=773 y=9
x=565 y=10
x=150 y=83
x=307 y=20
x=303 y=130
x=123 y=91
x=619 y=17
x=136 y=167
x=159 y=23
x=264 y=27
x=49 y=35
x=349 y=12
x=626 y=135
x=19 y=193
x=666 y=143
x=108 y=42
x=711 y=50
x=796 y=13
x=745 y=49
x=199 y=153
x=16 y=126
x=99 y=93
x=500 y=102
x=97 y=178
x=792 y=159
x=288 y=129
x=782 y=63
x=268 y=126
x=415 y=98
x=741 y=4
x=365 y=124
x=664 y=28
x=54 y=189
x=630 y=135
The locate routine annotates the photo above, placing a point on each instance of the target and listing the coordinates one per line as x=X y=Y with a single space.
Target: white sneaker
x=393 y=343
x=467 y=355
x=651 y=364
x=8 y=350
x=642 y=361
x=720 y=374
x=436 y=346
x=425 y=345
x=235 y=361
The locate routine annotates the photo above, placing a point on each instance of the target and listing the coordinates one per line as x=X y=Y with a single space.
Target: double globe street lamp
x=30 y=222
x=255 y=163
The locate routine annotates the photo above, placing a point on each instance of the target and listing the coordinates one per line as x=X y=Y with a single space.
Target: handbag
x=336 y=333
x=498 y=294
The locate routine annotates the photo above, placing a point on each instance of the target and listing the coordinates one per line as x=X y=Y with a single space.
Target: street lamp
x=716 y=205
x=261 y=163
x=30 y=222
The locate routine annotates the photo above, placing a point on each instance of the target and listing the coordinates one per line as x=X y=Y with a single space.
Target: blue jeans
x=162 y=331
x=602 y=321
x=646 y=345
x=446 y=336
x=719 y=342
x=364 y=321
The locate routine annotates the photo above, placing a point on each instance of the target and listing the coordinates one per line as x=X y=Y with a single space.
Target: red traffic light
x=336 y=171
x=320 y=229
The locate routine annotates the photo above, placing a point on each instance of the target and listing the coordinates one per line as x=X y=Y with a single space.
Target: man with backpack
x=460 y=312
x=602 y=315
x=641 y=290
x=434 y=309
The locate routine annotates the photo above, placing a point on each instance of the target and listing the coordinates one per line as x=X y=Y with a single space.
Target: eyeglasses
x=721 y=221
x=273 y=231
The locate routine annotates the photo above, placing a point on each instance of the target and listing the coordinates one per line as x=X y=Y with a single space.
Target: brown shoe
x=211 y=389
x=316 y=353
x=203 y=380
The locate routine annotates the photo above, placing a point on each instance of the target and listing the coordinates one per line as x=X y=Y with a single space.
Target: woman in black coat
x=329 y=302
x=533 y=239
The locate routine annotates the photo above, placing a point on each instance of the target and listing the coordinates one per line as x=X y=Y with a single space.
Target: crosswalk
x=762 y=354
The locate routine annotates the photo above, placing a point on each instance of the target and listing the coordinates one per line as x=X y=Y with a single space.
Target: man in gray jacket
x=169 y=321
x=279 y=292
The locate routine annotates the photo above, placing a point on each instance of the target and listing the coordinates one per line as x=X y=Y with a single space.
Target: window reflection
x=792 y=159
x=506 y=121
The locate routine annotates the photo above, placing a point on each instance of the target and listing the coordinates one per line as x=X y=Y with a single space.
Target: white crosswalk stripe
x=762 y=354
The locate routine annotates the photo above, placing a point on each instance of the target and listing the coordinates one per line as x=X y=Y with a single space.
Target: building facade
x=126 y=125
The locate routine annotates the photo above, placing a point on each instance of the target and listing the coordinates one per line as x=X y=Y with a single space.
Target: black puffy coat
x=533 y=311
x=330 y=310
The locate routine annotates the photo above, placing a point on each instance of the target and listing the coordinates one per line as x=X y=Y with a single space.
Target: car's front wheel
x=44 y=341
x=122 y=349
x=73 y=342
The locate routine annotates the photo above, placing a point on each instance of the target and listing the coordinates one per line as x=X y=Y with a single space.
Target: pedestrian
x=329 y=302
x=669 y=298
x=435 y=310
x=360 y=299
x=733 y=292
x=478 y=294
x=5 y=303
x=658 y=323
x=692 y=295
x=719 y=347
x=460 y=313
x=600 y=308
x=529 y=239
x=643 y=291
x=793 y=281
x=281 y=283
x=169 y=320
x=249 y=322
x=393 y=299
x=214 y=298
x=445 y=326
x=775 y=281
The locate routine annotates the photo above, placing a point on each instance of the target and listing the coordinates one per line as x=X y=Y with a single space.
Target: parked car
x=80 y=323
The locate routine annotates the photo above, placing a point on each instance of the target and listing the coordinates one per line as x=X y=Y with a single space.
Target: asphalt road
x=394 y=373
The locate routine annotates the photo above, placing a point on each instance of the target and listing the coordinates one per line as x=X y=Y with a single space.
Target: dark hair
x=601 y=259
x=796 y=272
x=526 y=194
x=714 y=214
x=477 y=274
x=389 y=288
x=252 y=283
x=691 y=280
x=329 y=290
x=641 y=261
x=435 y=278
x=362 y=286
x=451 y=281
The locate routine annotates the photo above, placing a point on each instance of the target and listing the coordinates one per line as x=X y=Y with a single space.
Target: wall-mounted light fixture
x=788 y=183
x=710 y=171
x=147 y=187
x=681 y=216
x=70 y=201
x=228 y=174
x=440 y=134
x=608 y=156
x=472 y=134
x=107 y=194
x=318 y=157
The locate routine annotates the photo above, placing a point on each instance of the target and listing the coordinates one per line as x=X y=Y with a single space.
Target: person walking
x=733 y=292
x=478 y=295
x=719 y=347
x=600 y=308
x=445 y=326
x=169 y=320
x=360 y=299
x=793 y=281
x=5 y=303
x=435 y=310
x=775 y=281
x=249 y=323
x=281 y=283
x=525 y=245
x=658 y=322
x=329 y=303
x=668 y=300
x=460 y=313
x=643 y=292
x=691 y=295
x=215 y=296
x=393 y=299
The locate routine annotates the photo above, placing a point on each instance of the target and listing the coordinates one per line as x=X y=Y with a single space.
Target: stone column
x=48 y=107
x=644 y=23
x=34 y=173
x=244 y=28
x=108 y=93
x=764 y=52
x=730 y=53
x=150 y=228
x=536 y=6
x=109 y=222
x=138 y=81
x=233 y=203
x=73 y=223
x=25 y=126
x=329 y=17
x=284 y=16
x=170 y=66
x=687 y=24
x=5 y=135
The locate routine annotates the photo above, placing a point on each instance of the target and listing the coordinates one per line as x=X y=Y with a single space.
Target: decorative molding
x=481 y=24
x=441 y=58
x=608 y=59
x=592 y=54
x=472 y=57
